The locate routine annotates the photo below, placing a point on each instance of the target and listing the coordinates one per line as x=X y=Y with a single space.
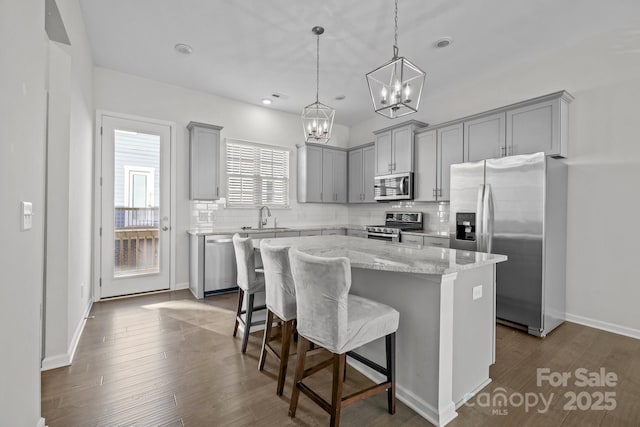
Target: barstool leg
x=238 y=310
x=391 y=372
x=303 y=346
x=265 y=339
x=247 y=325
x=336 y=390
x=287 y=331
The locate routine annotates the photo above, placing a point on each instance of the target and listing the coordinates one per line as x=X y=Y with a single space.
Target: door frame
x=97 y=196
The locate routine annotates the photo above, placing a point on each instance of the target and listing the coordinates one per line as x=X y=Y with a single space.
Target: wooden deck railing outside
x=136 y=243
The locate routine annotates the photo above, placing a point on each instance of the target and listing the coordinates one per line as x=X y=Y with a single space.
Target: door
x=484 y=138
x=369 y=161
x=517 y=187
x=340 y=176
x=402 y=152
x=135 y=206
x=465 y=208
x=383 y=153
x=355 y=176
x=449 y=153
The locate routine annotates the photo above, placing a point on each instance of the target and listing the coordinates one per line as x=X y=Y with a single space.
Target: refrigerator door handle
x=479 y=219
x=487 y=218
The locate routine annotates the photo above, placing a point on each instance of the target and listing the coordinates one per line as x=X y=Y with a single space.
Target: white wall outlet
x=477 y=292
x=27 y=216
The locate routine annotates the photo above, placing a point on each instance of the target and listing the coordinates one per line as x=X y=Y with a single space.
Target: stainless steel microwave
x=394 y=187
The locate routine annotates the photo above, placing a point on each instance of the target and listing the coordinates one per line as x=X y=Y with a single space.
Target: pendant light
x=317 y=118
x=396 y=86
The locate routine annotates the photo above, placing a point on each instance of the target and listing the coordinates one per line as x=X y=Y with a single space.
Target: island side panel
x=474 y=331
x=417 y=299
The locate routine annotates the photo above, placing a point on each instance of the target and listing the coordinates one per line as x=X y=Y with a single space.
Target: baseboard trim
x=605 y=326
x=41 y=423
x=414 y=402
x=65 y=359
x=180 y=286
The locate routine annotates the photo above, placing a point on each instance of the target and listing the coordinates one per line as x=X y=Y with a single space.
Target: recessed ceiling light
x=340 y=97
x=266 y=101
x=443 y=42
x=183 y=48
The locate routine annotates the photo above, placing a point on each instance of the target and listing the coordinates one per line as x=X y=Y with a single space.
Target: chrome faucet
x=263 y=222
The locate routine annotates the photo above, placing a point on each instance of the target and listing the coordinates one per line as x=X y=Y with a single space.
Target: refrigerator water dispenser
x=466 y=226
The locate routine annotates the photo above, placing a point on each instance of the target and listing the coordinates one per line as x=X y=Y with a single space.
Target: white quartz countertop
x=388 y=256
x=233 y=230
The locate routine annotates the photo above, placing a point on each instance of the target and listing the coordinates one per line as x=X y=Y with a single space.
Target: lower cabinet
x=334 y=232
x=441 y=242
x=311 y=233
x=356 y=233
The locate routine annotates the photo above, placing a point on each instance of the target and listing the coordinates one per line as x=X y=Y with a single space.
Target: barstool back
x=322 y=286
x=279 y=288
x=245 y=262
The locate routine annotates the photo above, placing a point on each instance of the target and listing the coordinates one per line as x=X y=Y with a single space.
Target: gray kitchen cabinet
x=334 y=232
x=540 y=126
x=425 y=176
x=309 y=173
x=264 y=235
x=356 y=233
x=394 y=148
x=436 y=241
x=334 y=176
x=310 y=233
x=361 y=174
x=411 y=238
x=321 y=174
x=204 y=161
x=287 y=234
x=449 y=152
x=484 y=137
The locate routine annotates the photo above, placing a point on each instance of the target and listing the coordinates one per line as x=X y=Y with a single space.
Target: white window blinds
x=257 y=175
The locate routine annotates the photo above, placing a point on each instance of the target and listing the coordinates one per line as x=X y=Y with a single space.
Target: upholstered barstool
x=281 y=305
x=250 y=282
x=329 y=317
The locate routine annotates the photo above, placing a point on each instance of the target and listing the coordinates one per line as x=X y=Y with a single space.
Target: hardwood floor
x=169 y=360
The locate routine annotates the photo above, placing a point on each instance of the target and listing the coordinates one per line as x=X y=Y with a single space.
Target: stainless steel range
x=394 y=224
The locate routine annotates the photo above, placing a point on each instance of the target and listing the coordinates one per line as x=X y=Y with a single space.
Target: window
x=257 y=175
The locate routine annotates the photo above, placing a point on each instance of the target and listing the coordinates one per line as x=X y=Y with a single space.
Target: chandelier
x=396 y=86
x=317 y=118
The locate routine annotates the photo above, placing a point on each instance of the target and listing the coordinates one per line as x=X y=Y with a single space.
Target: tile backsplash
x=206 y=214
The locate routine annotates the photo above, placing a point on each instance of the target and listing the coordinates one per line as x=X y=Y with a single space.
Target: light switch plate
x=477 y=292
x=27 y=216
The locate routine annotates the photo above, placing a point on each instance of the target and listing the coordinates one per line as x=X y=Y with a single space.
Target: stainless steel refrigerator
x=516 y=206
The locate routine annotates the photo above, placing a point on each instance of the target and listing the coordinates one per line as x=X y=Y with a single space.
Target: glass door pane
x=136 y=201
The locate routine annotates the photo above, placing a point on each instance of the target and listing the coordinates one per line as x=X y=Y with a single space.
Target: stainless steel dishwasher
x=219 y=265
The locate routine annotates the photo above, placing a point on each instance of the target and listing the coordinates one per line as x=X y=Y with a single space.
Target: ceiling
x=247 y=50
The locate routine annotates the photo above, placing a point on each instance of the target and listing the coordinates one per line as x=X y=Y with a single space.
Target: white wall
x=604 y=163
x=70 y=189
x=22 y=133
x=124 y=93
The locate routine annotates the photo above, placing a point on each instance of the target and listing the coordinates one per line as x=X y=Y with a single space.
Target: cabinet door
x=425 y=183
x=450 y=152
x=402 y=150
x=328 y=195
x=204 y=162
x=340 y=176
x=310 y=233
x=410 y=238
x=314 y=174
x=484 y=138
x=436 y=241
x=355 y=176
x=383 y=153
x=533 y=128
x=369 y=162
x=356 y=233
x=334 y=232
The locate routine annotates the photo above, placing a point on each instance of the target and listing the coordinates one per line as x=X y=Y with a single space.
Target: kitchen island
x=445 y=342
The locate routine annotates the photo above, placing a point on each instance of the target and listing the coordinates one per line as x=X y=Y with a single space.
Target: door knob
x=165 y=228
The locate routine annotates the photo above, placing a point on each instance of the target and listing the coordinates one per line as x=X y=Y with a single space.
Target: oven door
x=383 y=236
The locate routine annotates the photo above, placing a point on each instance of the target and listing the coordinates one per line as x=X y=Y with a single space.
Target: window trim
x=256 y=145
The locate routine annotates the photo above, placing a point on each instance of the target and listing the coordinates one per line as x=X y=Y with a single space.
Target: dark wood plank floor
x=169 y=360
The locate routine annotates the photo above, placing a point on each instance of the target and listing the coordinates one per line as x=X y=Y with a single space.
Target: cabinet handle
x=433 y=193
x=509 y=151
x=321 y=195
x=439 y=192
x=217 y=192
x=502 y=151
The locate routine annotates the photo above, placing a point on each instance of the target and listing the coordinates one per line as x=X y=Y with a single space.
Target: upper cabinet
x=484 y=138
x=394 y=149
x=539 y=126
x=436 y=150
x=361 y=174
x=321 y=174
x=204 y=161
